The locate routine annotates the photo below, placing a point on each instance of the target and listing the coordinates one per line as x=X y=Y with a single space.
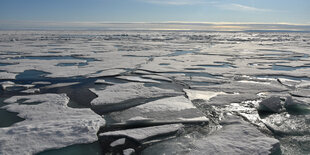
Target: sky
x=96 y=13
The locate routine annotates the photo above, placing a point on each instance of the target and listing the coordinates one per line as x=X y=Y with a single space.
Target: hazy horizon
x=163 y=26
x=206 y=15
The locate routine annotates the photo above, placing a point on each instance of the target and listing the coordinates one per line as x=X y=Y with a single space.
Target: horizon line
x=155 y=22
x=164 y=25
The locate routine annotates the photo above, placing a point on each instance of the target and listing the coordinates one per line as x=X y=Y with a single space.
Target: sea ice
x=288 y=124
x=60 y=85
x=48 y=125
x=203 y=95
x=157 y=77
x=301 y=92
x=137 y=79
x=129 y=151
x=109 y=72
x=235 y=137
x=9 y=84
x=102 y=81
x=246 y=87
x=303 y=84
x=296 y=101
x=31 y=91
x=118 y=142
x=166 y=110
x=113 y=95
x=41 y=83
x=143 y=135
x=271 y=104
x=242 y=65
x=7 y=76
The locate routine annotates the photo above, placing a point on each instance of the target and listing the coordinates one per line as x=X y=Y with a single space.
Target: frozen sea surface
x=154 y=92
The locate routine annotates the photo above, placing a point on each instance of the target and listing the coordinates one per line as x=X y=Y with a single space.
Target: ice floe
x=144 y=74
x=60 y=85
x=162 y=111
x=288 y=124
x=118 y=142
x=203 y=95
x=137 y=79
x=296 y=101
x=129 y=151
x=157 y=77
x=235 y=137
x=47 y=125
x=31 y=91
x=142 y=135
x=301 y=92
x=7 y=76
x=271 y=104
x=41 y=83
x=110 y=72
x=113 y=96
x=7 y=85
x=102 y=81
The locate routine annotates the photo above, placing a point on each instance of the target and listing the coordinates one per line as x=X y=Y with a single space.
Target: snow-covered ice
x=137 y=79
x=271 y=104
x=235 y=137
x=203 y=95
x=48 y=125
x=141 y=135
x=114 y=96
x=168 y=110
x=140 y=79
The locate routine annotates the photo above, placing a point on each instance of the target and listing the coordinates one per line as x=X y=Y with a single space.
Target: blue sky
x=153 y=11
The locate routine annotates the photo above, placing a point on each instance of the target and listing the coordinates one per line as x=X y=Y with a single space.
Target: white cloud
x=222 y=5
x=176 y=2
x=239 y=7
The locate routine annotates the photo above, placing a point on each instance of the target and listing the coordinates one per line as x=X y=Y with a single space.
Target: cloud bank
x=186 y=26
